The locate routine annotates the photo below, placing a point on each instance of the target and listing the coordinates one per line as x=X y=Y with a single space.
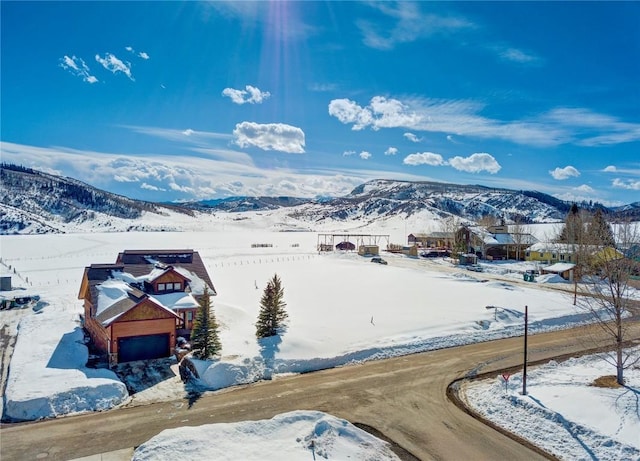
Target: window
x=554 y=256
x=161 y=287
x=561 y=257
x=189 y=316
x=527 y=253
x=177 y=286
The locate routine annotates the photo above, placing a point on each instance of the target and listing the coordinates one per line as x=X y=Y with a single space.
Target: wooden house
x=495 y=242
x=135 y=308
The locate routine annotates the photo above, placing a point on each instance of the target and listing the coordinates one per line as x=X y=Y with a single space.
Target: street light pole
x=524 y=366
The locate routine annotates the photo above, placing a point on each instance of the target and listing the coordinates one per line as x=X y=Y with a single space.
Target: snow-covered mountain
x=379 y=199
x=36 y=202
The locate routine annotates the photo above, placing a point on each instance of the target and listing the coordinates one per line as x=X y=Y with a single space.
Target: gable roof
x=159 y=271
x=187 y=262
x=116 y=297
x=502 y=238
x=558 y=268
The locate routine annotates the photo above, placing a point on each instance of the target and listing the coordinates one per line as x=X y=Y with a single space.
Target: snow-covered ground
x=342 y=308
x=294 y=435
x=564 y=412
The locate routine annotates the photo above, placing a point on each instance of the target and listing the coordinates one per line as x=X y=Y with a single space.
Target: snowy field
x=342 y=309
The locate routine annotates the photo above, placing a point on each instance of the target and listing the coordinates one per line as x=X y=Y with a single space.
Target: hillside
x=32 y=201
x=35 y=202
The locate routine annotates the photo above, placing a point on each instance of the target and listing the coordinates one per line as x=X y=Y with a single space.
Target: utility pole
x=524 y=367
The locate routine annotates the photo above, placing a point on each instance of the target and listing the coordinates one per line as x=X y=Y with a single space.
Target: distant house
x=135 y=308
x=419 y=239
x=368 y=250
x=432 y=239
x=495 y=242
x=551 y=253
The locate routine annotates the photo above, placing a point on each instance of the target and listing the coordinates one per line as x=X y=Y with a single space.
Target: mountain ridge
x=33 y=201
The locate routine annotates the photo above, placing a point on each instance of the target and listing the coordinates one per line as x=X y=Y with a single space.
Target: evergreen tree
x=272 y=314
x=573 y=229
x=204 y=336
x=599 y=230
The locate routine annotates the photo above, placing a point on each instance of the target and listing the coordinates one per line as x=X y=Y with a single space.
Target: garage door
x=143 y=347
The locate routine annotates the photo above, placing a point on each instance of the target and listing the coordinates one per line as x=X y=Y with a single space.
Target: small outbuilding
x=346 y=246
x=369 y=250
x=564 y=270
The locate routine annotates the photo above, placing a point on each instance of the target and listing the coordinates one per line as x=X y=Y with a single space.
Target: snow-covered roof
x=559 y=267
x=111 y=292
x=553 y=247
x=489 y=238
x=116 y=297
x=195 y=282
x=176 y=301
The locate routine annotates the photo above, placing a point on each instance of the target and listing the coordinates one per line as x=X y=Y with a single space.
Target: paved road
x=403 y=398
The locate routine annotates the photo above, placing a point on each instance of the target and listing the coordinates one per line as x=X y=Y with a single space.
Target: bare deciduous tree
x=605 y=290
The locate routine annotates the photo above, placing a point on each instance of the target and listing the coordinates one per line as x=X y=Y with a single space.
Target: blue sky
x=179 y=101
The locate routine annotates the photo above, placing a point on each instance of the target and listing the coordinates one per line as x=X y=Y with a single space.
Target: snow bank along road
x=404 y=398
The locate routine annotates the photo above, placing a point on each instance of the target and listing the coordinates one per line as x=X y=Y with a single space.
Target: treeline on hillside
x=66 y=196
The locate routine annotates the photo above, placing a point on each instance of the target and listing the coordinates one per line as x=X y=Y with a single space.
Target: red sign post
x=506 y=377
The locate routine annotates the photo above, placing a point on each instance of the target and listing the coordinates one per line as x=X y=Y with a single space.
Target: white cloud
x=391 y=151
x=77 y=67
x=140 y=54
x=564 y=173
x=593 y=129
x=348 y=153
x=462 y=118
x=146 y=186
x=364 y=155
x=270 y=136
x=610 y=169
x=211 y=173
x=189 y=136
x=519 y=56
x=177 y=187
x=349 y=112
x=410 y=24
x=120 y=178
x=476 y=163
x=412 y=137
x=585 y=188
x=629 y=184
x=424 y=158
x=250 y=94
x=115 y=65
x=381 y=113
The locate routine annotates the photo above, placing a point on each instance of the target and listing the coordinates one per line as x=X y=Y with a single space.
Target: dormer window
x=169 y=286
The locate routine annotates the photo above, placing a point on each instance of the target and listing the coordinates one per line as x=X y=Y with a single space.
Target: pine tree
x=573 y=230
x=204 y=336
x=272 y=314
x=599 y=230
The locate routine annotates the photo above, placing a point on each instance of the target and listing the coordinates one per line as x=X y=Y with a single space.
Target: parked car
x=378 y=259
x=475 y=268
